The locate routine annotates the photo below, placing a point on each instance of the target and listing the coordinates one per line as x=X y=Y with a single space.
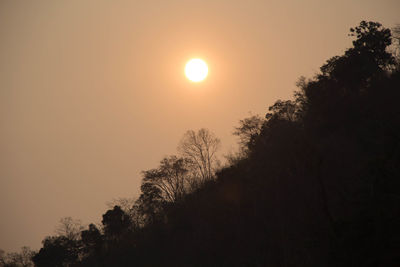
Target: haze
x=93 y=92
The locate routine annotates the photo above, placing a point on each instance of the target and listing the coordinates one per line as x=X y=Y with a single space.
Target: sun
x=196 y=70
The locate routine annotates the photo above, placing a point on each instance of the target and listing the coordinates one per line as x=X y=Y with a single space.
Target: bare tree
x=69 y=228
x=200 y=148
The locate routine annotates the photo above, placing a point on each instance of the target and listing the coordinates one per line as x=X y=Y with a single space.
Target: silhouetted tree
x=92 y=244
x=200 y=148
x=116 y=223
x=124 y=203
x=57 y=251
x=171 y=178
x=248 y=130
x=91 y=237
x=63 y=249
x=69 y=228
x=149 y=204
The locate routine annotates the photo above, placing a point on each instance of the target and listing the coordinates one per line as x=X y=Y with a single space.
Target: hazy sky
x=93 y=92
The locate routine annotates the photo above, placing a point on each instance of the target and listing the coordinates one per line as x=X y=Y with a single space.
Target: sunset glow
x=199 y=133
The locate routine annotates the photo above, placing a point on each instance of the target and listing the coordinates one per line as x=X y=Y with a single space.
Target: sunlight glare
x=196 y=70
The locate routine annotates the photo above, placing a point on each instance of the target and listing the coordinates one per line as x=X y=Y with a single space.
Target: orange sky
x=93 y=92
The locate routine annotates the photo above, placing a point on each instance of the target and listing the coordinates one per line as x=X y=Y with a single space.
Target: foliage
x=170 y=178
x=248 y=130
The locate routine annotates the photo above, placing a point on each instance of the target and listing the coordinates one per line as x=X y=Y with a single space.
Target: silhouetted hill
x=316 y=183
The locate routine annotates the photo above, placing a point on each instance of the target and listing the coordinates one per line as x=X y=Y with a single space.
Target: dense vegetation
x=316 y=183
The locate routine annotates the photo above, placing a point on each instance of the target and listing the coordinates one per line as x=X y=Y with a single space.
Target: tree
x=91 y=237
x=248 y=131
x=283 y=110
x=57 y=251
x=91 y=243
x=200 y=148
x=166 y=184
x=69 y=228
x=170 y=177
x=149 y=204
x=17 y=259
x=127 y=204
x=116 y=222
x=63 y=249
x=367 y=57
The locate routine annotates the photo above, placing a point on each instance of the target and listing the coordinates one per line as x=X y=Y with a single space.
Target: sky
x=93 y=92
